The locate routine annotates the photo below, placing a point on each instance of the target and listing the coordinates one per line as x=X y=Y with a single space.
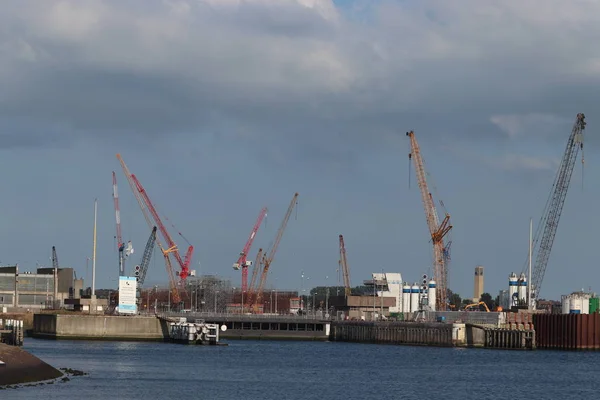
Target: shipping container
x=594 y=305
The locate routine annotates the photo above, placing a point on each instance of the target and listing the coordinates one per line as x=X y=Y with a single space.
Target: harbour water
x=309 y=370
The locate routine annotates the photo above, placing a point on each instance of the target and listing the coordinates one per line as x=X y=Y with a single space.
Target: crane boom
x=345 y=269
x=554 y=206
x=257 y=267
x=437 y=230
x=138 y=197
x=54 y=258
x=120 y=244
x=242 y=262
x=269 y=259
x=163 y=230
x=146 y=257
x=117 y=211
x=173 y=284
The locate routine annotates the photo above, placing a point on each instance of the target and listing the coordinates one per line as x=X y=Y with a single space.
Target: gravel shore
x=22 y=367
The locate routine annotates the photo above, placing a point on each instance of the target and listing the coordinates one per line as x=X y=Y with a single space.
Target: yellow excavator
x=468 y=306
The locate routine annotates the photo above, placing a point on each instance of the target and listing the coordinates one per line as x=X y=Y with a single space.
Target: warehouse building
x=45 y=288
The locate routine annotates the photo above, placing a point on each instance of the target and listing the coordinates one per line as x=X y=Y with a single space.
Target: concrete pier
x=99 y=327
x=432 y=334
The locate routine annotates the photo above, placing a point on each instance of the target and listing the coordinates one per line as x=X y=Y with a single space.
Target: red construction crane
x=183 y=263
x=175 y=290
x=269 y=259
x=345 y=270
x=437 y=230
x=252 y=287
x=242 y=260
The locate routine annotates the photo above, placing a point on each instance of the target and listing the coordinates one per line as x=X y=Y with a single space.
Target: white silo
x=431 y=294
x=406 y=298
x=585 y=304
x=512 y=288
x=565 y=303
x=522 y=289
x=414 y=298
x=575 y=304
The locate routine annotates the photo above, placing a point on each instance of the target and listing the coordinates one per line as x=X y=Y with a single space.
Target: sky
x=221 y=107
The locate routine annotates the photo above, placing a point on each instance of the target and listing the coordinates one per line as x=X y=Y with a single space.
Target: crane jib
x=553 y=210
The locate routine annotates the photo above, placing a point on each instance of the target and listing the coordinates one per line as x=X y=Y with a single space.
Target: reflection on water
x=309 y=370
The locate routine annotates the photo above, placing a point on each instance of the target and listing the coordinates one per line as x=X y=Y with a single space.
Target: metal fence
x=470 y=317
x=237 y=316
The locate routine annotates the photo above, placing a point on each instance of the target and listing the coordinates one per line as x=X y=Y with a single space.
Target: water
x=309 y=370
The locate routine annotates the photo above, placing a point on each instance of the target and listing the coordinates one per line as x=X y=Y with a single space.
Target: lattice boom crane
x=242 y=262
x=437 y=230
x=345 y=269
x=267 y=260
x=554 y=206
x=175 y=292
x=183 y=263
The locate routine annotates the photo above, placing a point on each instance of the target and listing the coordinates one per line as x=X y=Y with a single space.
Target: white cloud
x=526 y=124
x=520 y=162
x=299 y=67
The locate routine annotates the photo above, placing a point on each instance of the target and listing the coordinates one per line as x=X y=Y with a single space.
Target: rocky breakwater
x=18 y=366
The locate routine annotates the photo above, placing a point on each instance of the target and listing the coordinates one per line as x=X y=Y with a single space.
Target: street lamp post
x=216 y=292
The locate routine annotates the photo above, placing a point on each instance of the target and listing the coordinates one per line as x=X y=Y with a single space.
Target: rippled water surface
x=309 y=370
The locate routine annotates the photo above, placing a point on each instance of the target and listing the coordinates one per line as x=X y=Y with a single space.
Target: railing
x=247 y=316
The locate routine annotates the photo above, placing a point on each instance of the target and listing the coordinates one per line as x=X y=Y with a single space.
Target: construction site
x=384 y=296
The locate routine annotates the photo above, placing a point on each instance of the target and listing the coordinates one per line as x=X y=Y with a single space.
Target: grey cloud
x=275 y=69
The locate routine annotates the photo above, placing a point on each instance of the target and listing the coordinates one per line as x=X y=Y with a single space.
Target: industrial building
x=385 y=299
x=46 y=288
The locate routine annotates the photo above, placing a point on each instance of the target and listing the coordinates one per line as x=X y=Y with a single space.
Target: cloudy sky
x=221 y=107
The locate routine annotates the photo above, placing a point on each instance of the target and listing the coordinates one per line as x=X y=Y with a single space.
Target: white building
x=389 y=284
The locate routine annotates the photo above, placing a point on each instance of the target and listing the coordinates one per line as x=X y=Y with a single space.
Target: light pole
x=327 y=297
x=232 y=301
x=302 y=290
x=216 y=292
x=242 y=308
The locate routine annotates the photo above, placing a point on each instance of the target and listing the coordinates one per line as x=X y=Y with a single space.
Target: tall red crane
x=267 y=260
x=183 y=263
x=437 y=230
x=242 y=259
x=345 y=270
x=175 y=290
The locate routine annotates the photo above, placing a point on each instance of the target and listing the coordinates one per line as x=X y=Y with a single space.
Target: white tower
x=414 y=298
x=522 y=289
x=431 y=294
x=406 y=298
x=512 y=288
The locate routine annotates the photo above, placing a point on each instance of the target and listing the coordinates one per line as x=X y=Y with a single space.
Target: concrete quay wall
x=101 y=327
x=432 y=334
x=407 y=333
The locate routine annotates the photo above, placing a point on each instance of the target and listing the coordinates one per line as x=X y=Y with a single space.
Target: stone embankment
x=18 y=366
